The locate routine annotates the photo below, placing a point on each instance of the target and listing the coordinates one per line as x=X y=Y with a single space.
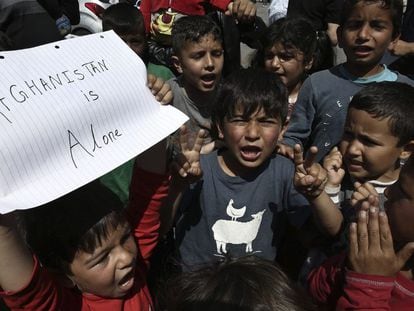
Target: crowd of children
x=287 y=143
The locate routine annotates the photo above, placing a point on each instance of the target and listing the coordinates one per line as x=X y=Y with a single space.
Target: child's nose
x=252 y=131
x=209 y=64
x=364 y=32
x=276 y=62
x=125 y=258
x=354 y=147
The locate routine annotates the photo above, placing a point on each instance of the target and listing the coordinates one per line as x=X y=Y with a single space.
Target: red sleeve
x=145 y=8
x=220 y=4
x=325 y=282
x=366 y=292
x=41 y=294
x=147 y=192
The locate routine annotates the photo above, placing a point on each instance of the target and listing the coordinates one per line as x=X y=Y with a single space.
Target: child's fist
x=332 y=163
x=160 y=89
x=310 y=177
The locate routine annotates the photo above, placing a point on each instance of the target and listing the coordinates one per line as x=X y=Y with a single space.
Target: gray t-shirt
x=239 y=216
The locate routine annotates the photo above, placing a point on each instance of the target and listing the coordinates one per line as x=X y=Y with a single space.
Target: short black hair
x=192 y=29
x=393 y=100
x=395 y=7
x=123 y=18
x=243 y=284
x=292 y=33
x=78 y=221
x=250 y=89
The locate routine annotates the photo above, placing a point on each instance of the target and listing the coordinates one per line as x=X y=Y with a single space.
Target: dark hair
x=247 y=283
x=193 y=29
x=250 y=89
x=393 y=100
x=78 y=221
x=123 y=18
x=5 y=42
x=395 y=7
x=292 y=33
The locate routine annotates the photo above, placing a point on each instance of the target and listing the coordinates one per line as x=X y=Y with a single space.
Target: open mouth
x=127 y=281
x=250 y=153
x=362 y=50
x=209 y=79
x=354 y=165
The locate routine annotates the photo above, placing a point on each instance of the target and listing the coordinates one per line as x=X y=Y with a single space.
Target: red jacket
x=43 y=293
x=333 y=285
x=186 y=7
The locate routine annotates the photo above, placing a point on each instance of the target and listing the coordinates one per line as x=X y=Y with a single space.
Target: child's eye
x=377 y=25
x=352 y=25
x=286 y=56
x=237 y=121
x=101 y=260
x=217 y=53
x=197 y=55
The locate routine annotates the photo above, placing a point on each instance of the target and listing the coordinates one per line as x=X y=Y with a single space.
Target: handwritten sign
x=70 y=112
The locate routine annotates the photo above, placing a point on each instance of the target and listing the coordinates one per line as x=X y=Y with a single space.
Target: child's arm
x=16 y=261
x=310 y=179
x=185 y=169
x=332 y=163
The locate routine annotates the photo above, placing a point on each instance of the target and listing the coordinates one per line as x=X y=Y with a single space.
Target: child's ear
x=394 y=41
x=339 y=36
x=309 y=64
x=283 y=130
x=219 y=131
x=176 y=63
x=408 y=149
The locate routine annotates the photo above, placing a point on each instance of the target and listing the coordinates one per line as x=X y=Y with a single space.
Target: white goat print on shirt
x=234 y=231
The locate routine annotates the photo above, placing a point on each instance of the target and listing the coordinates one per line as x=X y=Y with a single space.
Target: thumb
x=229 y=10
x=405 y=253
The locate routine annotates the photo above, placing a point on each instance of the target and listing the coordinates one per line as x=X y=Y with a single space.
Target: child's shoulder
x=404 y=79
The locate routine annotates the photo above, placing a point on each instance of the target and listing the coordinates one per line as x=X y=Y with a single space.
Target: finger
x=373 y=229
x=150 y=80
x=297 y=155
x=184 y=138
x=404 y=254
x=353 y=239
x=385 y=233
x=167 y=98
x=157 y=85
x=310 y=157
x=362 y=232
x=370 y=188
x=198 y=144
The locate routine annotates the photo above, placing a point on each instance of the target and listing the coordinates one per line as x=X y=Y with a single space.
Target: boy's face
x=400 y=205
x=137 y=41
x=288 y=64
x=250 y=141
x=365 y=37
x=369 y=149
x=200 y=64
x=110 y=270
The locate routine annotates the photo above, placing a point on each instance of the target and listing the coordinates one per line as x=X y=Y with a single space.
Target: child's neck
x=199 y=98
x=293 y=92
x=363 y=72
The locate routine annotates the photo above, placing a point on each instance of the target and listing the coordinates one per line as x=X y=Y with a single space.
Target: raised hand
x=187 y=163
x=371 y=249
x=310 y=177
x=363 y=193
x=242 y=10
x=285 y=150
x=160 y=89
x=332 y=163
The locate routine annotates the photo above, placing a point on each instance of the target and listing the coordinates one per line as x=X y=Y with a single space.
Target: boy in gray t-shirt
x=247 y=193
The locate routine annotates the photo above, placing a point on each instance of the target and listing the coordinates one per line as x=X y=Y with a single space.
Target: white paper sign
x=70 y=112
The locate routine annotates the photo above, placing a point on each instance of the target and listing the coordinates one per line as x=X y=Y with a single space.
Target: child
x=289 y=47
x=378 y=137
x=246 y=193
x=368 y=28
x=247 y=283
x=198 y=57
x=128 y=23
x=377 y=274
x=90 y=253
